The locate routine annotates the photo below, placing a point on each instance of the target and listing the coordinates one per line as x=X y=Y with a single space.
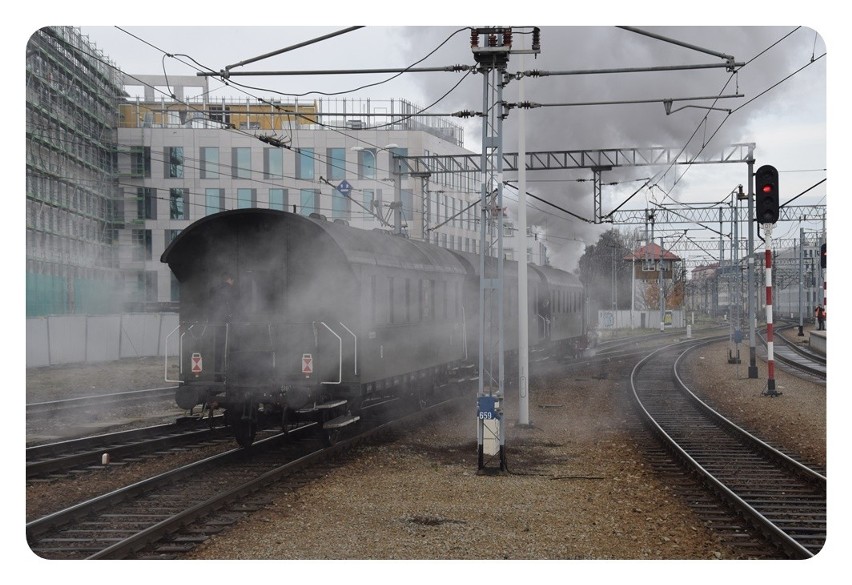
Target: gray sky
x=783 y=111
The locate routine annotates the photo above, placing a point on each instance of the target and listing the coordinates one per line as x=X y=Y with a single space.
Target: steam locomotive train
x=286 y=318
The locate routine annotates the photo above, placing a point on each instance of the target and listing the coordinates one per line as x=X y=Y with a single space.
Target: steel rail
x=790 y=545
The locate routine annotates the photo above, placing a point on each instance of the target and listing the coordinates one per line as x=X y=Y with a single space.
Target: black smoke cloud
x=630 y=125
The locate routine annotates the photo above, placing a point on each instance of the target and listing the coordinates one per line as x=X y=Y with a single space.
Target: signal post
x=767 y=214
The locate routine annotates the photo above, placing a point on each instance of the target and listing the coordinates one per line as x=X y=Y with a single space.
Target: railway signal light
x=767 y=194
x=823 y=255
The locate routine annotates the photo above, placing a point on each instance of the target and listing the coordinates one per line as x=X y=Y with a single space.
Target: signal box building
x=648 y=260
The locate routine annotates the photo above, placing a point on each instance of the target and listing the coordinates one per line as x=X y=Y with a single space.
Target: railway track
x=798 y=358
x=630 y=348
x=172 y=512
x=96 y=452
x=781 y=499
x=52 y=407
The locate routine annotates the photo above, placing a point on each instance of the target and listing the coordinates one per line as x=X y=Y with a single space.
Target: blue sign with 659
x=487 y=407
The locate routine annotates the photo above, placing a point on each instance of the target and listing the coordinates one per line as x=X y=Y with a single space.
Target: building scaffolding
x=71 y=183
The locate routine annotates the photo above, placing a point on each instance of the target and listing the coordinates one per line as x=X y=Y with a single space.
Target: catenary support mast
x=492 y=59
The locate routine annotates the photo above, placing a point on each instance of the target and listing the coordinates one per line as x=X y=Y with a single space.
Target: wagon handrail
x=166 y=356
x=356 y=345
x=464 y=331
x=546 y=322
x=340 y=358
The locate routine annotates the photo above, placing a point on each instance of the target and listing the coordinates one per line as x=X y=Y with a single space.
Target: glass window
x=392 y=313
x=174 y=162
x=278 y=199
x=273 y=163
x=246 y=198
x=174 y=289
x=427 y=299
x=241 y=162
x=398 y=152
x=137 y=239
x=367 y=164
x=407 y=300
x=368 y=196
x=140 y=161
x=336 y=164
x=146 y=200
x=340 y=205
x=178 y=204
x=151 y=286
x=305 y=164
x=220 y=114
x=373 y=300
x=209 y=162
x=170 y=235
x=214 y=200
x=444 y=298
x=307 y=199
x=407 y=196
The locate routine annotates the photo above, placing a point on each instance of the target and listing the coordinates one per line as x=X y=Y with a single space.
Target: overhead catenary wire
x=353 y=90
x=631 y=196
x=290 y=48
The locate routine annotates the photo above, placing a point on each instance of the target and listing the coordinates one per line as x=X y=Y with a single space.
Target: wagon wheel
x=244 y=432
x=210 y=420
x=422 y=400
x=330 y=437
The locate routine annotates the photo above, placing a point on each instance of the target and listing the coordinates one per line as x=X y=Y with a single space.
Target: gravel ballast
x=577 y=486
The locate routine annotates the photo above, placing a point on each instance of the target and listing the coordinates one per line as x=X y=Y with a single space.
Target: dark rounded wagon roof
x=357 y=246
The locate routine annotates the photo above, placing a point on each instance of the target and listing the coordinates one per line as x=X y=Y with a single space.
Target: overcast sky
x=782 y=109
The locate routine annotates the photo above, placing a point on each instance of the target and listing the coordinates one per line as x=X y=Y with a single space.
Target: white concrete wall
x=69 y=339
x=819 y=341
x=608 y=319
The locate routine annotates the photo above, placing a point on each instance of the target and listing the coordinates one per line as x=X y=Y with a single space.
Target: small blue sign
x=487 y=407
x=738 y=336
x=344 y=188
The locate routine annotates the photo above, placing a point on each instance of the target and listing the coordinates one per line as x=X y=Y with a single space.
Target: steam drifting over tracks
x=97 y=451
x=128 y=522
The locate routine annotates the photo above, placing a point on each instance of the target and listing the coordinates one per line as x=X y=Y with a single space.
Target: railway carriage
x=329 y=319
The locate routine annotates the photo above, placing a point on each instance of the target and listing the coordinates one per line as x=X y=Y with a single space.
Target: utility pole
x=662 y=292
x=801 y=332
x=752 y=353
x=523 y=300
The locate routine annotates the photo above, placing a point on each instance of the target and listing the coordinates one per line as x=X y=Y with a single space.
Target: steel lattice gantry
x=597 y=161
x=710 y=215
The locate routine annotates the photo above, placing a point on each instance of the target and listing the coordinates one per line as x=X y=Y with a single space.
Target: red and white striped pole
x=825 y=300
x=770 y=348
